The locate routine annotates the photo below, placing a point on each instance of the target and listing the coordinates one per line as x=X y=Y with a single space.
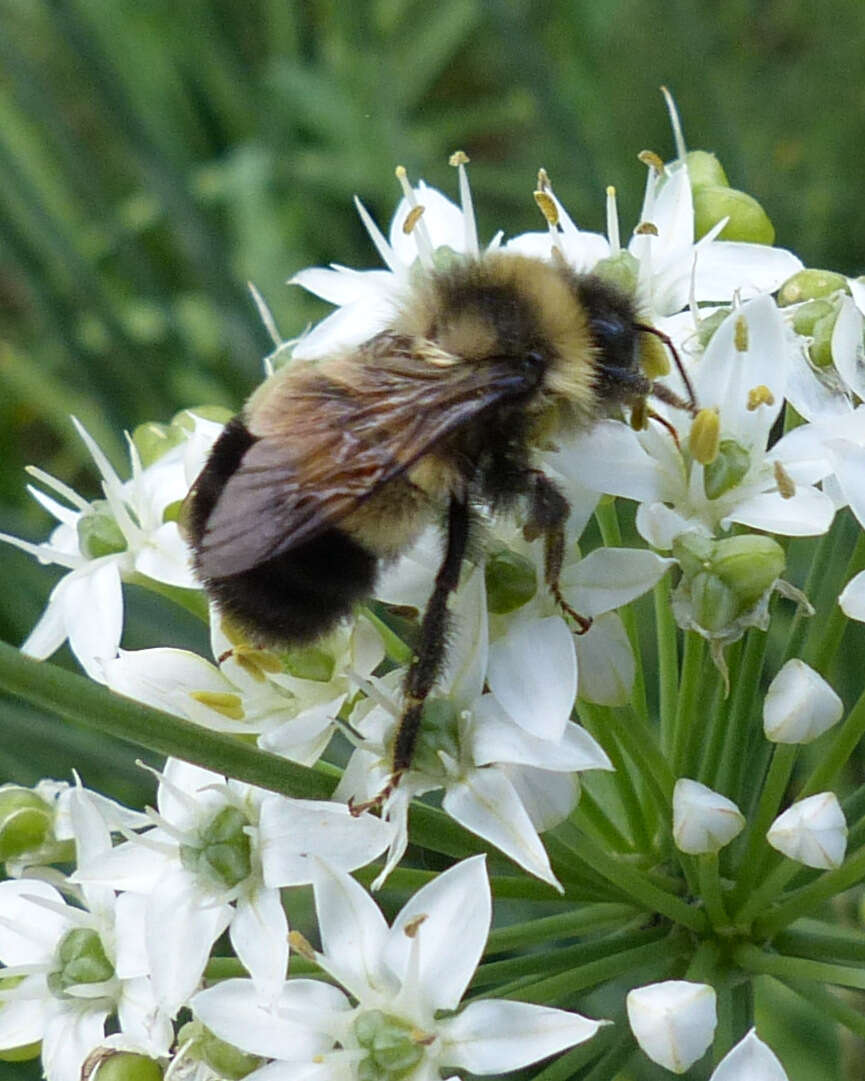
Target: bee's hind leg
x=548 y=512
x=431 y=650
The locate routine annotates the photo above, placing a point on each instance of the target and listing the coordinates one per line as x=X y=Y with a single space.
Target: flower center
x=224 y=851
x=394 y=1047
x=439 y=731
x=80 y=958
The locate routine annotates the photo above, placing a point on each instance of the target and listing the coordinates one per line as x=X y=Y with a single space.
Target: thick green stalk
x=690 y=687
x=746 y=687
x=809 y=898
x=818 y=998
x=832 y=761
x=822 y=941
x=753 y=959
x=586 y=918
x=668 y=662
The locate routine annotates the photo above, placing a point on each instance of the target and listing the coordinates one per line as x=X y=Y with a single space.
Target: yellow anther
x=547 y=205
x=229 y=705
x=705 y=437
x=740 y=335
x=300 y=945
x=759 y=395
x=544 y=180
x=413 y=926
x=646 y=228
x=784 y=482
x=650 y=158
x=412 y=218
x=459 y=157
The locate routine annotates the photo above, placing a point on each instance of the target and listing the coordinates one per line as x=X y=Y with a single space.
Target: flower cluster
x=639 y=790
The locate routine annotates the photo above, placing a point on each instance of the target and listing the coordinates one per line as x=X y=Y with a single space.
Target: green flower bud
x=224 y=851
x=704 y=170
x=80 y=958
x=710 y=324
x=749 y=565
x=127 y=1066
x=715 y=605
x=808 y=313
x=511 y=581
x=728 y=468
x=185 y=419
x=748 y=220
x=694 y=552
x=439 y=731
x=25 y=1051
x=810 y=284
x=98 y=532
x=152 y=440
x=620 y=270
x=820 y=349
x=223 y=1058
x=26 y=822
x=393 y=1047
x=313 y=663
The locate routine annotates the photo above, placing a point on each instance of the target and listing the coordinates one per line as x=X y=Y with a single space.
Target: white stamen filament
x=675 y=124
x=420 y=232
x=613 y=221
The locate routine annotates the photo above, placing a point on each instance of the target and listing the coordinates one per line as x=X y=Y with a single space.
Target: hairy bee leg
x=427 y=661
x=547 y=515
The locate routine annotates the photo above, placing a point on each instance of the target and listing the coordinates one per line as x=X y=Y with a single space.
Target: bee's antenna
x=658 y=389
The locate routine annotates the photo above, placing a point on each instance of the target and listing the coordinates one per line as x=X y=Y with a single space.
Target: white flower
x=799 y=705
x=673 y=1022
x=368 y=299
x=750 y=1060
x=107 y=542
x=812 y=831
x=743 y=375
x=507 y=758
x=216 y=860
x=852 y=598
x=703 y=821
x=290 y=701
x=397 y=981
x=77 y=965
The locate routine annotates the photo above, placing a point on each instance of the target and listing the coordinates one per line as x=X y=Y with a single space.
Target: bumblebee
x=334 y=466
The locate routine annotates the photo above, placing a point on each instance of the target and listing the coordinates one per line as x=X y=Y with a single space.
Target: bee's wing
x=336 y=442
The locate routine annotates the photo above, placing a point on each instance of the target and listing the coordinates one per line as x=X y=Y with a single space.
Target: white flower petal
x=293 y=830
x=496 y=1036
x=729 y=267
x=141 y=1020
x=799 y=705
x=673 y=1022
x=166 y=557
x=294 y=1027
x=532 y=671
x=848 y=348
x=22 y=1020
x=353 y=930
x=808 y=513
x=131 y=866
x=457 y=911
x=850 y=471
x=606 y=662
x=29 y=933
x=703 y=821
x=812 y=831
x=130 y=947
x=486 y=803
x=852 y=598
x=71 y=1033
x=611 y=577
x=49 y=634
x=493 y=737
x=547 y=797
x=610 y=458
x=750 y=1060
x=259 y=935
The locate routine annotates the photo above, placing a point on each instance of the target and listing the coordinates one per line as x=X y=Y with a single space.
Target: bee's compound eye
x=533 y=364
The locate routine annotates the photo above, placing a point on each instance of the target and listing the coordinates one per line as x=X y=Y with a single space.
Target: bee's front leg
x=548 y=512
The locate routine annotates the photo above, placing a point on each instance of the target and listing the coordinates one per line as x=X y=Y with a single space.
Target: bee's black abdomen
x=300 y=595
x=295 y=597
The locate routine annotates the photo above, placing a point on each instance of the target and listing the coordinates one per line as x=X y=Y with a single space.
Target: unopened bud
x=749 y=565
x=673 y=1022
x=703 y=821
x=729 y=466
x=704 y=170
x=799 y=705
x=439 y=731
x=511 y=581
x=80 y=958
x=313 y=663
x=620 y=270
x=810 y=284
x=704 y=439
x=820 y=349
x=812 y=831
x=26 y=822
x=223 y=853
x=748 y=221
x=223 y=1058
x=808 y=313
x=98 y=532
x=127 y=1066
x=152 y=440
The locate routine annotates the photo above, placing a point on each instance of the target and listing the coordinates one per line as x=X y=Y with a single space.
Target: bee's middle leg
x=548 y=512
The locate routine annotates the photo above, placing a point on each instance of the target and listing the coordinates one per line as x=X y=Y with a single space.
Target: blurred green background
x=156 y=155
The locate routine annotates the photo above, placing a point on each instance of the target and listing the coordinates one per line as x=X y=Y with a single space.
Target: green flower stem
x=734 y=758
x=611 y=534
x=772 y=885
x=735 y=1016
x=596 y=917
x=824 y=1002
x=703 y=967
x=590 y=815
x=802 y=902
x=690 y=688
x=753 y=959
x=580 y=880
x=710 y=890
x=774 y=787
x=565 y=958
x=668 y=662
x=594 y=718
x=640 y=743
x=634 y=883
x=714 y=692
x=826 y=553
x=719 y=719
x=614 y=1061
x=843 y=745
x=822 y=941
x=408 y=880
x=824 y=637
x=566 y=984
x=569 y=1065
